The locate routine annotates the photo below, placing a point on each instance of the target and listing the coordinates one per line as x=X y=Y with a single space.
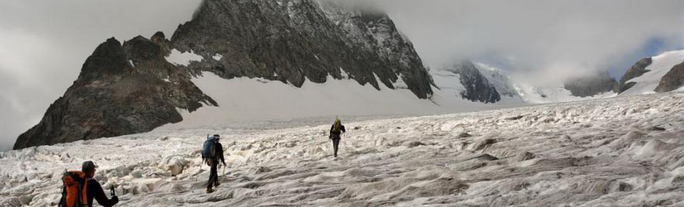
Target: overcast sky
x=44 y=43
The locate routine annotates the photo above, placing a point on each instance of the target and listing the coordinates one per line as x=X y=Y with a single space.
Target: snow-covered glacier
x=622 y=151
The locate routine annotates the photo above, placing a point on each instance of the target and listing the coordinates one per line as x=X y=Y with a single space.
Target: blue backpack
x=209 y=148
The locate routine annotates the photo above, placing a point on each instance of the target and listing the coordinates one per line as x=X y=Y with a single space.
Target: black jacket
x=95 y=191
x=337 y=133
x=219 y=153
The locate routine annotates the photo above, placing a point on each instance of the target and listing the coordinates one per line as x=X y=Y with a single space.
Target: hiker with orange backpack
x=80 y=188
x=335 y=130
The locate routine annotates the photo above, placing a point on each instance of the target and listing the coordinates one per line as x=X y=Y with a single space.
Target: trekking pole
x=112 y=192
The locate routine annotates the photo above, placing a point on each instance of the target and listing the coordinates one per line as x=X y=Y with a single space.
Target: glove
x=115 y=199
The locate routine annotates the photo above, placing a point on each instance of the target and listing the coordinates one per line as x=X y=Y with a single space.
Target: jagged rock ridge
x=122 y=89
x=638 y=69
x=297 y=40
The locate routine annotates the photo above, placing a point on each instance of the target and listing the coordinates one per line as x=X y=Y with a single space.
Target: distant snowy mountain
x=475 y=86
x=499 y=79
x=662 y=73
x=483 y=79
x=651 y=73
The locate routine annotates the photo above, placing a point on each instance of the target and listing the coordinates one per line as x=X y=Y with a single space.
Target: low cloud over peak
x=554 y=38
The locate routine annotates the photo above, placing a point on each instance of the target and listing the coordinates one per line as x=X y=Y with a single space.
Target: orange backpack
x=74 y=193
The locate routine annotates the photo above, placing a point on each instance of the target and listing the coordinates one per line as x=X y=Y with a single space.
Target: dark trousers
x=213 y=175
x=336 y=142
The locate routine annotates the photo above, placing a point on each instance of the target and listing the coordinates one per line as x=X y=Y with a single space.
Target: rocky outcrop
x=591 y=85
x=673 y=80
x=122 y=89
x=638 y=69
x=298 y=40
x=477 y=87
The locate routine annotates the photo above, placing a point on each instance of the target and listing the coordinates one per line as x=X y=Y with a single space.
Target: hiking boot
x=216 y=184
x=209 y=190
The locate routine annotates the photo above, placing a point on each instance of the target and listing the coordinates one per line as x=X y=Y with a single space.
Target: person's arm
x=331 y=128
x=99 y=194
x=61 y=200
x=342 y=128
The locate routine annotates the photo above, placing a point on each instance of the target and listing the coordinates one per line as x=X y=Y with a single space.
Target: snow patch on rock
x=183 y=58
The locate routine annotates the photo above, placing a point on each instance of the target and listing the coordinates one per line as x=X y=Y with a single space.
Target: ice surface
x=623 y=151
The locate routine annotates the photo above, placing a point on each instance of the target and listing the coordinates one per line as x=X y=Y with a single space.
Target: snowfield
x=662 y=64
x=256 y=99
x=623 y=151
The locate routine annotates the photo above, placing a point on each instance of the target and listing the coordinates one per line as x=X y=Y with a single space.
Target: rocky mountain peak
x=591 y=84
x=295 y=41
x=673 y=80
x=477 y=87
x=108 y=59
x=122 y=89
x=132 y=88
x=638 y=69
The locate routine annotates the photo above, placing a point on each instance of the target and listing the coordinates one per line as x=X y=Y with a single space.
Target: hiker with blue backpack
x=335 y=130
x=212 y=152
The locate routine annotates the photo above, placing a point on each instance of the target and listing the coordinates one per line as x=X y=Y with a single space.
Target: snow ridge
x=661 y=64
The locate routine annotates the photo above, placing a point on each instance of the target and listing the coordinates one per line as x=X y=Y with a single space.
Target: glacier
x=621 y=151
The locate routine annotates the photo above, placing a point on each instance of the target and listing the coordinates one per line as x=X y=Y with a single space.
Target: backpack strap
x=84 y=192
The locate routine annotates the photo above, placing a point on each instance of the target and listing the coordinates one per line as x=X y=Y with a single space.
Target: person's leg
x=212 y=174
x=336 y=143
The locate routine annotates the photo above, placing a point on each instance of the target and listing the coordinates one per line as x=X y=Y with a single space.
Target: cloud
x=43 y=45
x=554 y=38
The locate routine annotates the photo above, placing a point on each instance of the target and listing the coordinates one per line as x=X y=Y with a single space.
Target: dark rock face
x=672 y=80
x=120 y=90
x=591 y=85
x=477 y=87
x=297 y=40
x=638 y=69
